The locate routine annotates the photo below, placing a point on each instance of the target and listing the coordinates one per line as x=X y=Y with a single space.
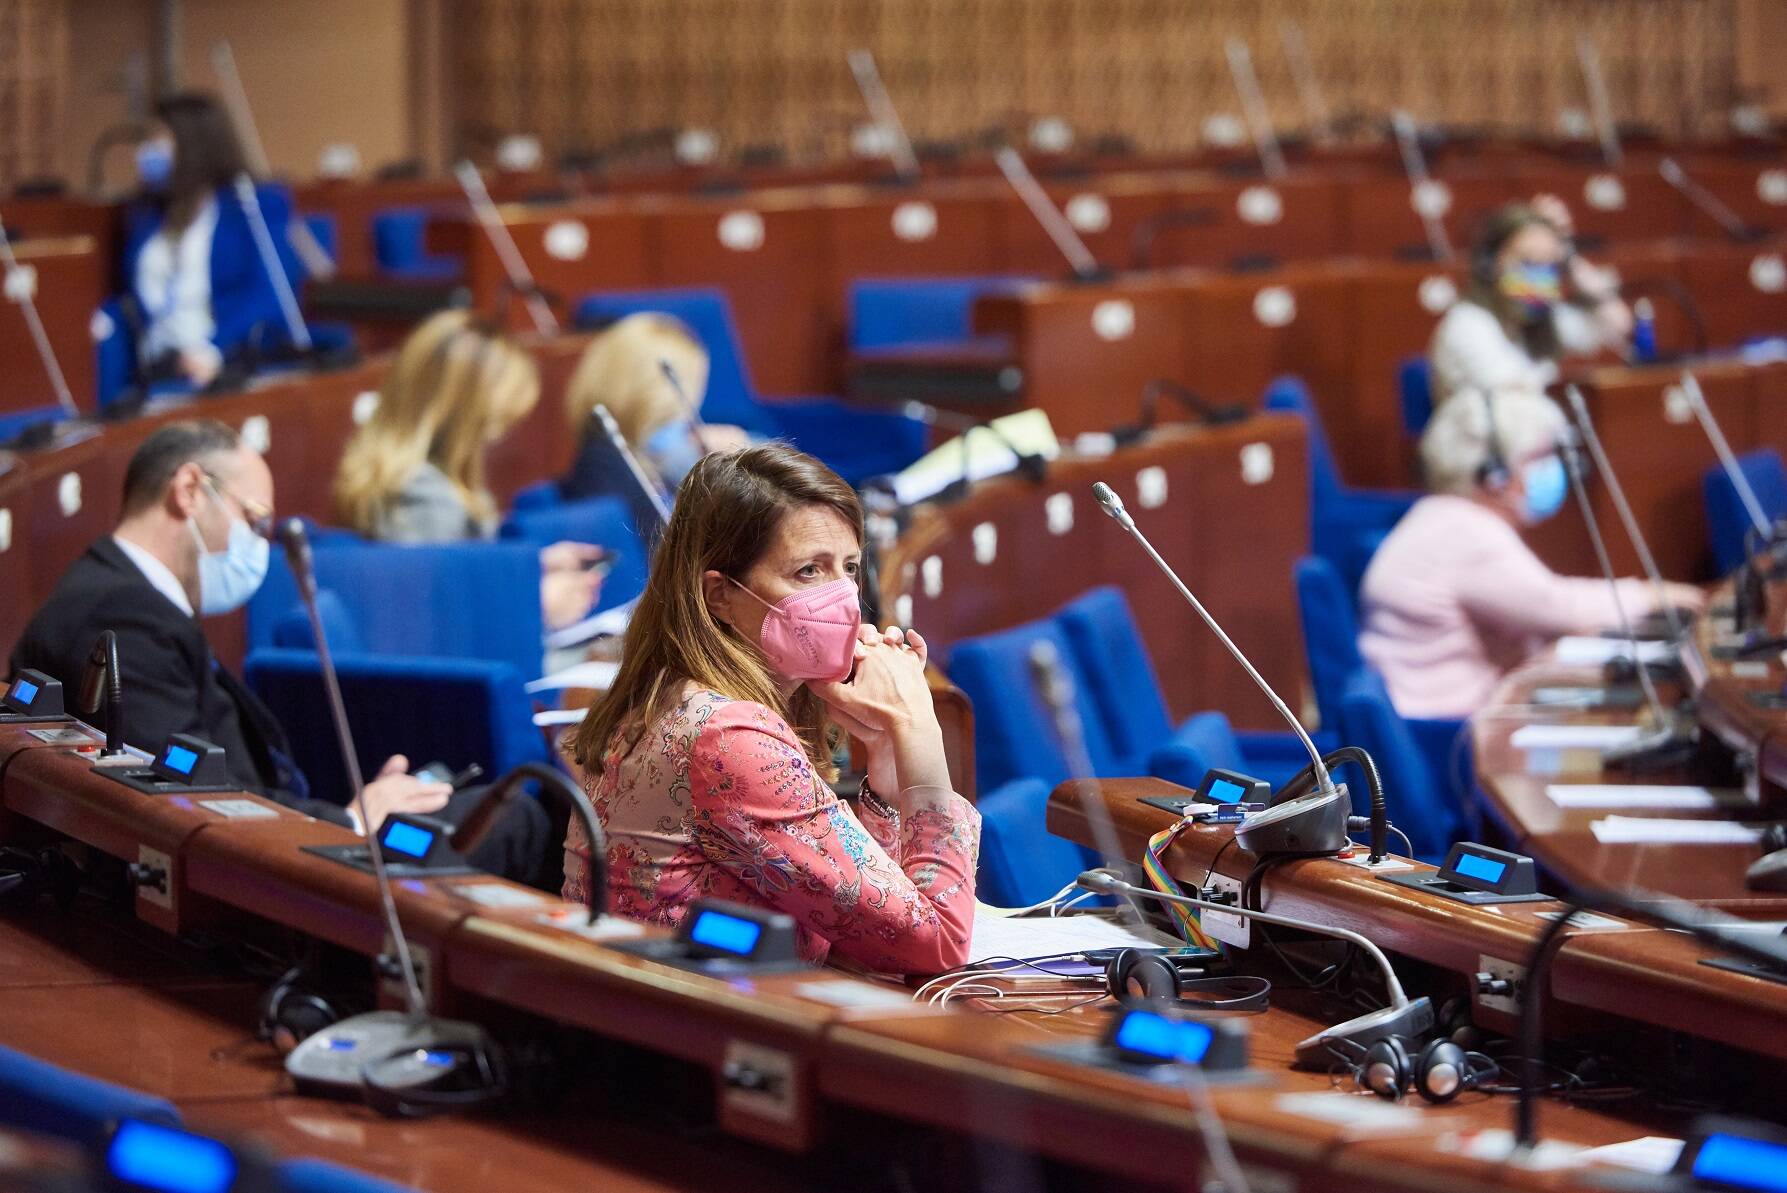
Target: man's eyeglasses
x=258 y=516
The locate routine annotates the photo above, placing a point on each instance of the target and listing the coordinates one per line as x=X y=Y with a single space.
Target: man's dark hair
x=162 y=454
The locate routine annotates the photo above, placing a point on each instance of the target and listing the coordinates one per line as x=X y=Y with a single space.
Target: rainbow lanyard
x=1185 y=918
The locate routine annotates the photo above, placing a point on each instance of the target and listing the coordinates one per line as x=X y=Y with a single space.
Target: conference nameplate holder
x=187 y=765
x=725 y=940
x=413 y=846
x=32 y=698
x=1479 y=876
x=1151 y=1042
x=1224 y=797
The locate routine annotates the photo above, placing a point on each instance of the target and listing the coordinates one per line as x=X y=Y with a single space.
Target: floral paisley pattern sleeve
x=891 y=891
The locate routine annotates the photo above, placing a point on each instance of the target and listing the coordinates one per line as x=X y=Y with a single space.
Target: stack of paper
x=1642 y=830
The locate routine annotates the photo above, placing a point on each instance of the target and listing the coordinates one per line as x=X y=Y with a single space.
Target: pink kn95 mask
x=811 y=634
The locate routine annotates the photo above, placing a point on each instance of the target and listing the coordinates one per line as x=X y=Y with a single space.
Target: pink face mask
x=811 y=634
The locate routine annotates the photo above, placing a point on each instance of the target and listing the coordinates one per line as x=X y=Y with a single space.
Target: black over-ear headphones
x=1135 y=976
x=290 y=1012
x=1439 y=1072
x=1493 y=473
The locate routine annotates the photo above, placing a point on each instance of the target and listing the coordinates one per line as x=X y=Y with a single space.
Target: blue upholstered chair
x=1346 y=524
x=895 y=312
x=1330 y=633
x=399 y=244
x=40 y=1098
x=458 y=600
x=1414 y=386
x=452 y=710
x=1021 y=862
x=856 y=443
x=1728 y=519
x=1419 y=799
x=1110 y=653
x=604 y=521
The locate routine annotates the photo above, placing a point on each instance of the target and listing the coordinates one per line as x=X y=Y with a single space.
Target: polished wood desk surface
x=964 y=1074
x=1636 y=972
x=1738 y=699
x=1227 y=506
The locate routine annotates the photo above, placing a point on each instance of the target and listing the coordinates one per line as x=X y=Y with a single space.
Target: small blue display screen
x=24 y=691
x=149 y=1156
x=1226 y=791
x=727 y=933
x=1482 y=869
x=1744 y=1163
x=408 y=839
x=180 y=760
x=1169 y=1039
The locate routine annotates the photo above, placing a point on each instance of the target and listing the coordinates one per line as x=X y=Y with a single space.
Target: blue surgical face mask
x=1546 y=485
x=673 y=450
x=155 y=164
x=227 y=578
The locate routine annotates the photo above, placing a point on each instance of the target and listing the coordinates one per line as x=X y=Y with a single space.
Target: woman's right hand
x=887 y=705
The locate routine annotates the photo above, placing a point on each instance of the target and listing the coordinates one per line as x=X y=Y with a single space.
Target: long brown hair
x=1503 y=225
x=725 y=518
x=207 y=154
x=455 y=388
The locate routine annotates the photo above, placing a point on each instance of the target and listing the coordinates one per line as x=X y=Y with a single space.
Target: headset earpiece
x=1386 y=1070
x=1134 y=976
x=290 y=1014
x=1444 y=1070
x=1493 y=474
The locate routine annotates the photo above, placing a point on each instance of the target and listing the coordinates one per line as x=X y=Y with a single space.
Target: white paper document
x=609 y=622
x=986 y=452
x=595 y=674
x=1644 y=830
x=1637 y=795
x=1572 y=737
x=1049 y=936
x=553 y=717
x=1652 y=1153
x=1589 y=652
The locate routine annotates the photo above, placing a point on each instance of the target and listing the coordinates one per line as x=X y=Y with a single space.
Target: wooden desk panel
x=72 y=280
x=1741 y=291
x=1106 y=213
x=1756 y=191
x=1394 y=311
x=1382 y=220
x=1252 y=224
x=572 y=250
x=1611 y=207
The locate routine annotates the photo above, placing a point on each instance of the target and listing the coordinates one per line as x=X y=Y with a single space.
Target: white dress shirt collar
x=157 y=573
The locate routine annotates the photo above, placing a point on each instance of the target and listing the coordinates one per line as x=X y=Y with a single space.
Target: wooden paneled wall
x=580 y=73
x=33 y=60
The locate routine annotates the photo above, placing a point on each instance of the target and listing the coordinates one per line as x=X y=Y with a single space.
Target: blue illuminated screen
x=407 y=839
x=1481 y=868
x=1169 y=1039
x=179 y=758
x=727 y=933
x=24 y=691
x=1746 y=1163
x=1224 y=791
x=156 y=1157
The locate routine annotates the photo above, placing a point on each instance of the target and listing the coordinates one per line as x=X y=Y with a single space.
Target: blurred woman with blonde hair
x=635 y=368
x=415 y=473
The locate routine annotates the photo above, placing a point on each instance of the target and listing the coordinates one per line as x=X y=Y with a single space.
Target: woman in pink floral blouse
x=745 y=661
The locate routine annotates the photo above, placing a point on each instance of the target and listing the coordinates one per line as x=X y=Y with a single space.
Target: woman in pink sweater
x=1454 y=598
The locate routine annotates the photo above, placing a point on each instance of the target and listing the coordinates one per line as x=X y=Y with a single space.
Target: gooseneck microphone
x=1067 y=242
x=1709 y=204
x=884 y=114
x=21 y=287
x=509 y=256
x=1734 y=472
x=1113 y=505
x=690 y=410
x=1617 y=492
x=271 y=265
x=102 y=683
x=392 y=1059
x=1405 y=1017
x=635 y=466
x=507 y=789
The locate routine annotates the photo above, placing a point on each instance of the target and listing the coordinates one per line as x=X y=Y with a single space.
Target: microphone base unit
x=1309 y=825
x=359 y=857
x=427 y=1059
x=1412 y=1021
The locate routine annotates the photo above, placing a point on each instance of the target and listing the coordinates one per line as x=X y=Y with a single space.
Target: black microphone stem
x=635 y=466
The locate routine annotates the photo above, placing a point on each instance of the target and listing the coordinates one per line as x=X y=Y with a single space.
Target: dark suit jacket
x=171 y=682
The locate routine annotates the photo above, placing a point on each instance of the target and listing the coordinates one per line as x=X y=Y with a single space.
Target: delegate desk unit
x=1227 y=506
x=853 y=1068
x=1737 y=705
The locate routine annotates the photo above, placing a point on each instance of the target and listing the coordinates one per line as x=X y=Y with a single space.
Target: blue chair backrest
x=458 y=600
x=1021 y=862
x=1330 y=633
x=1015 y=735
x=890 y=312
x=1727 y=518
x=114 y=353
x=1288 y=395
x=456 y=711
x=1114 y=659
x=541 y=495
x=322 y=228
x=603 y=521
x=731 y=398
x=292 y=630
x=1212 y=741
x=40 y=1098
x=399 y=237
x=1414 y=385
x=1417 y=803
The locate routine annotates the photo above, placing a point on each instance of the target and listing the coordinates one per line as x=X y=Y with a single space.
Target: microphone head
x=919 y=412
x=1672 y=173
x=1104 y=882
x=1113 y=504
x=296 y=543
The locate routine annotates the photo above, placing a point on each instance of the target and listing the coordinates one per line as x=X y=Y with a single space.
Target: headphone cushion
x=1134 y=976
x=1443 y=1071
x=1386 y=1070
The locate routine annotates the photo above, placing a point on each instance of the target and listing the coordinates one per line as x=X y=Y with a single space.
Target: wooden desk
x=71 y=283
x=1209 y=498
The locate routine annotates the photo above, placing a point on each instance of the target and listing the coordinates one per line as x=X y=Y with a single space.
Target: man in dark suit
x=198 y=505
